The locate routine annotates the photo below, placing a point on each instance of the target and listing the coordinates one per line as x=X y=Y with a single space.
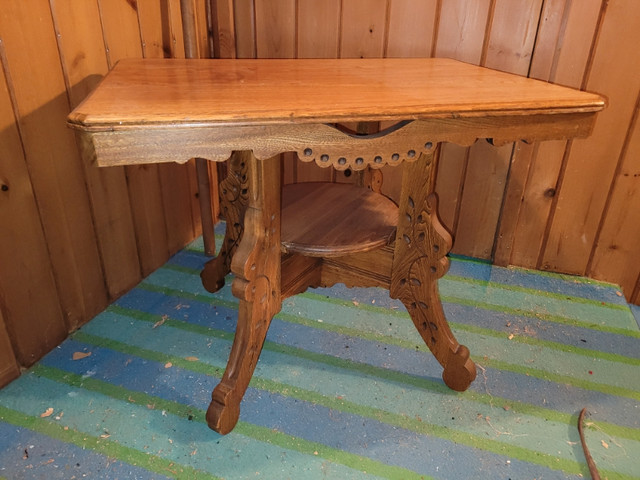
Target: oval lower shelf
x=322 y=219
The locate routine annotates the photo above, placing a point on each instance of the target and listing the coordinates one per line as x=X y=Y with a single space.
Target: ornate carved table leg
x=419 y=260
x=256 y=266
x=234 y=198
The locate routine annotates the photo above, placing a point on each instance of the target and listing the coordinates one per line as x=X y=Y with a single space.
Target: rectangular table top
x=145 y=92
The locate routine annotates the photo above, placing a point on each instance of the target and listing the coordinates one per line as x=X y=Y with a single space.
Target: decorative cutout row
x=341 y=158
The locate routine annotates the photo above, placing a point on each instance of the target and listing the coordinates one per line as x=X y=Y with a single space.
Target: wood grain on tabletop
x=139 y=92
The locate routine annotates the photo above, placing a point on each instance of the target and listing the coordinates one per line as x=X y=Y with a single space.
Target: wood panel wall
x=74 y=237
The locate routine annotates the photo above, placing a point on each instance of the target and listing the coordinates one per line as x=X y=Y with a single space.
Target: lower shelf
x=334 y=219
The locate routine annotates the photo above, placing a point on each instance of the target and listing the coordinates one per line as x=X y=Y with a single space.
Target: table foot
x=234 y=198
x=254 y=318
x=459 y=370
x=422 y=243
x=256 y=267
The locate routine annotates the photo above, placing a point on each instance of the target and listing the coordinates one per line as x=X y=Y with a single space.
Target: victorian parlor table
x=280 y=241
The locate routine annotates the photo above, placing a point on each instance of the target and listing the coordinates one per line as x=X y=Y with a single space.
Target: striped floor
x=344 y=388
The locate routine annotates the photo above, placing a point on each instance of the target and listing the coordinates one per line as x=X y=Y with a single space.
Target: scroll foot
x=459 y=370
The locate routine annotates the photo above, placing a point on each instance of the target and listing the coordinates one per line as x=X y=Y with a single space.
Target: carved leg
x=234 y=198
x=419 y=261
x=256 y=266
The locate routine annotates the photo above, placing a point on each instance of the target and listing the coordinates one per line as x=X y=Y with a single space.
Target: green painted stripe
x=515 y=368
x=485 y=306
x=256 y=432
x=103 y=446
x=613 y=357
x=370 y=370
x=549 y=317
x=558 y=378
x=542 y=316
x=398 y=420
x=538 y=293
x=540 y=273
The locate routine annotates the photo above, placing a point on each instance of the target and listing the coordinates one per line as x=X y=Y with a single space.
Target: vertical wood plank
x=543 y=61
x=8 y=367
x=122 y=33
x=619 y=238
x=411 y=30
x=202 y=28
x=588 y=173
x=83 y=58
x=363 y=28
x=275 y=34
x=245 y=28
x=51 y=154
x=318 y=36
x=275 y=28
x=362 y=35
x=162 y=36
x=509 y=48
x=512 y=35
x=318 y=28
x=567 y=67
x=173 y=25
x=28 y=290
x=412 y=24
x=552 y=22
x=461 y=31
x=224 y=31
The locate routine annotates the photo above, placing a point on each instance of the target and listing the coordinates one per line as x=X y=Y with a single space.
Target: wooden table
x=279 y=244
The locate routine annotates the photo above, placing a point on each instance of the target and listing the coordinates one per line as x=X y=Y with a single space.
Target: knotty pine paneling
x=591 y=163
x=75 y=237
x=560 y=206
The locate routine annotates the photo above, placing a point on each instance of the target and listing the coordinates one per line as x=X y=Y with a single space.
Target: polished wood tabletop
x=140 y=92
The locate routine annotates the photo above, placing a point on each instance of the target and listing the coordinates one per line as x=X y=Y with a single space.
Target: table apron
x=323 y=144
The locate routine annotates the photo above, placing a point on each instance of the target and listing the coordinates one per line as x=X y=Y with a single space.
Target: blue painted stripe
x=151 y=430
x=572 y=286
x=25 y=454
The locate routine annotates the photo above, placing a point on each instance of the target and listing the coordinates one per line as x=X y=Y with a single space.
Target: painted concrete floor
x=344 y=387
